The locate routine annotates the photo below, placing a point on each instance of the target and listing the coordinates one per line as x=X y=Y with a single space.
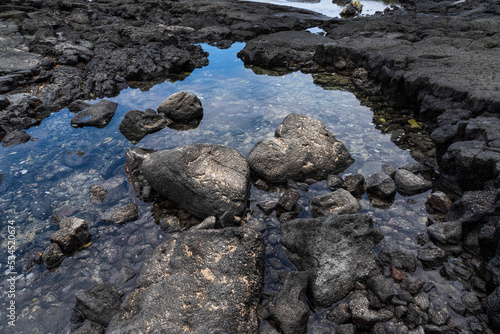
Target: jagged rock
x=89 y=327
x=99 y=303
x=288 y=200
x=73 y=234
x=98 y=115
x=355 y=184
x=290 y=310
x=399 y=257
x=471 y=302
x=15 y=137
x=209 y=279
x=336 y=251
x=438 y=201
x=97 y=194
x=181 y=107
x=137 y=124
x=121 y=215
x=431 y=255
x=489 y=238
x=334 y=182
x=438 y=317
x=352 y=9
x=53 y=256
x=302 y=148
x=382 y=287
x=408 y=184
x=206 y=180
x=340 y=314
x=361 y=313
x=494 y=268
x=493 y=307
x=389 y=170
x=267 y=207
x=446 y=232
x=338 y=202
x=346 y=329
x=381 y=185
x=416 y=317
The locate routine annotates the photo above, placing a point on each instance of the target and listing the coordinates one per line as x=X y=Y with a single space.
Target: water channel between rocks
x=53 y=172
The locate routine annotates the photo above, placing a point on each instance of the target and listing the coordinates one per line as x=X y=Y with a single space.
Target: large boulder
x=181 y=107
x=336 y=251
x=207 y=281
x=302 y=148
x=206 y=180
x=98 y=115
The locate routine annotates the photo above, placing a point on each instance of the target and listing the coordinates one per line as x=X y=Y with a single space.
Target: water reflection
x=53 y=173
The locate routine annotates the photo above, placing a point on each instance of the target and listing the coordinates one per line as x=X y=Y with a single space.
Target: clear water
x=53 y=173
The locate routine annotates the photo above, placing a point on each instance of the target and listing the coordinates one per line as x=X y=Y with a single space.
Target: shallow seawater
x=332 y=9
x=53 y=173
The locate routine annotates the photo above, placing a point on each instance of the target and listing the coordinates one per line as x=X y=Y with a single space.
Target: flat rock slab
x=206 y=281
x=98 y=115
x=336 y=251
x=302 y=148
x=206 y=180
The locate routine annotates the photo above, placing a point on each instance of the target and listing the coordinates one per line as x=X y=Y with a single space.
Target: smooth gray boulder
x=206 y=180
x=137 y=124
x=446 y=232
x=98 y=115
x=381 y=185
x=181 y=107
x=336 y=251
x=121 y=214
x=208 y=280
x=302 y=148
x=409 y=184
x=338 y=202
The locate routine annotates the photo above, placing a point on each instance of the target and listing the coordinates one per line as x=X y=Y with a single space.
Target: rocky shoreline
x=440 y=57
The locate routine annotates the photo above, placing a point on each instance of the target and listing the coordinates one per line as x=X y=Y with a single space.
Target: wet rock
x=438 y=201
x=389 y=170
x=471 y=302
x=206 y=224
x=290 y=310
x=346 y=329
x=416 y=317
x=362 y=315
x=97 y=194
x=98 y=115
x=355 y=184
x=472 y=208
x=137 y=124
x=267 y=207
x=99 y=303
x=399 y=257
x=89 y=327
x=288 y=200
x=15 y=138
x=181 y=107
x=494 y=268
x=170 y=224
x=297 y=185
x=302 y=148
x=438 y=316
x=121 y=215
x=489 y=238
x=431 y=255
x=227 y=219
x=354 y=8
x=334 y=182
x=446 y=232
x=493 y=307
x=73 y=234
x=338 y=202
x=78 y=105
x=381 y=185
x=206 y=180
x=210 y=279
x=53 y=256
x=409 y=184
x=340 y=314
x=4 y=102
x=382 y=287
x=336 y=251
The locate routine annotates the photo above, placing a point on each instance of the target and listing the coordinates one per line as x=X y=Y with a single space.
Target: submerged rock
x=99 y=303
x=137 y=124
x=53 y=256
x=302 y=148
x=209 y=279
x=181 y=107
x=381 y=185
x=121 y=215
x=73 y=233
x=97 y=194
x=206 y=180
x=338 y=202
x=355 y=184
x=15 y=138
x=98 y=115
x=336 y=251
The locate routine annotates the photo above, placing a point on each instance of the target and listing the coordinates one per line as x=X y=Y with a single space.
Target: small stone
x=438 y=201
x=346 y=329
x=446 y=232
x=471 y=302
x=98 y=115
x=334 y=182
x=355 y=184
x=73 y=235
x=267 y=207
x=381 y=185
x=340 y=314
x=457 y=307
x=206 y=224
x=53 y=256
x=99 y=303
x=389 y=170
x=97 y=194
x=89 y=327
x=288 y=200
x=438 y=316
x=15 y=137
x=399 y=257
x=338 y=202
x=431 y=255
x=408 y=184
x=181 y=107
x=170 y=224
x=121 y=215
x=382 y=287
x=493 y=307
x=297 y=185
